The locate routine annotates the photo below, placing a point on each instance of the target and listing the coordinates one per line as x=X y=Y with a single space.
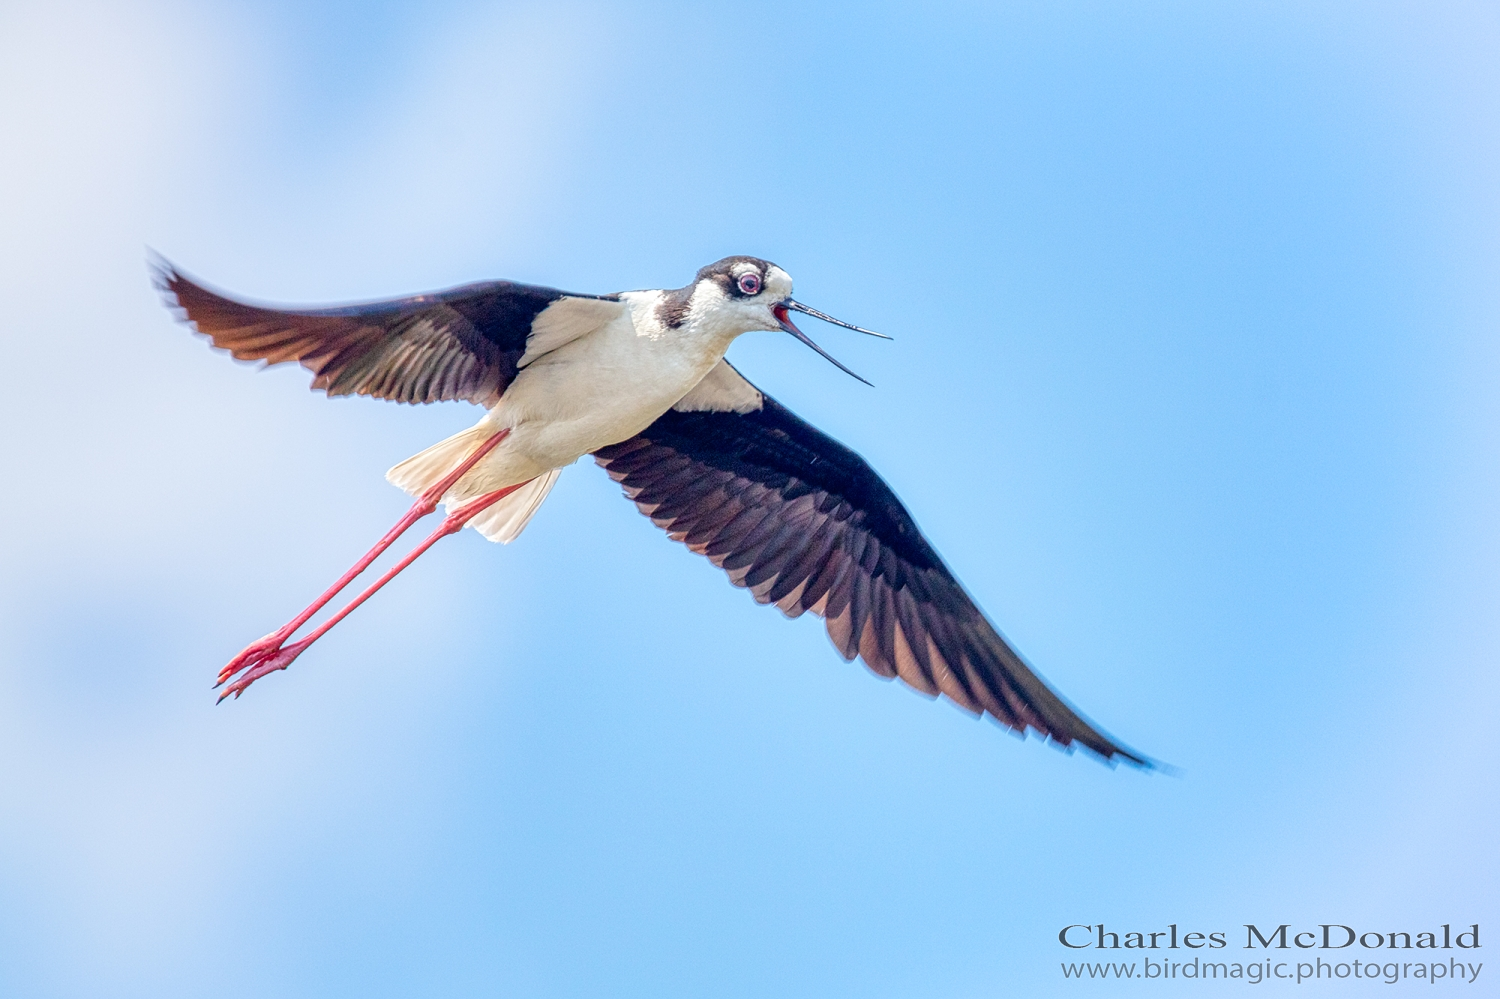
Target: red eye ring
x=750 y=283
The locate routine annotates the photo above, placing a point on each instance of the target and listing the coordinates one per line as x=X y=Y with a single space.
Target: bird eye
x=750 y=283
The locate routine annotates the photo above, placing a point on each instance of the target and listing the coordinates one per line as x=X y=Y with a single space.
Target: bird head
x=740 y=294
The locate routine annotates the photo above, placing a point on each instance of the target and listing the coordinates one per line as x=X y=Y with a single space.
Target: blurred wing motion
x=805 y=524
x=465 y=343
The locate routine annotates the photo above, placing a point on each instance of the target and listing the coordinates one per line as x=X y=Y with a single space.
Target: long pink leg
x=426 y=503
x=282 y=658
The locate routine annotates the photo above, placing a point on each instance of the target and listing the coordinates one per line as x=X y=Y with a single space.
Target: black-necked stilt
x=639 y=380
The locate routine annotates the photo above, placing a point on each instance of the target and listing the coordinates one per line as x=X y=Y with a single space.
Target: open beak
x=809 y=310
x=779 y=310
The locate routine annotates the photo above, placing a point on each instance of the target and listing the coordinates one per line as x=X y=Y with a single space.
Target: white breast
x=603 y=387
x=607 y=374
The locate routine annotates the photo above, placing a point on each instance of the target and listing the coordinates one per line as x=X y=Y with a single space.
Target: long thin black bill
x=790 y=304
x=786 y=324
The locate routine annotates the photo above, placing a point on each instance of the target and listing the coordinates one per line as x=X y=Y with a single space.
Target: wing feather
x=805 y=524
x=465 y=343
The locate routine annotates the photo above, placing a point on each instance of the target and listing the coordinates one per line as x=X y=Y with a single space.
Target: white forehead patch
x=778 y=282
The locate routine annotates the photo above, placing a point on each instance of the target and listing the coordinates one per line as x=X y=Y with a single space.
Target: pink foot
x=254 y=653
x=268 y=662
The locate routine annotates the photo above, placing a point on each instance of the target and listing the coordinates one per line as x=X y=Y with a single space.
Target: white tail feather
x=502 y=522
x=425 y=468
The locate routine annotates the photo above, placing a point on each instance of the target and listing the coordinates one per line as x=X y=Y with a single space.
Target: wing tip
x=170 y=282
x=164 y=277
x=1092 y=742
x=1108 y=752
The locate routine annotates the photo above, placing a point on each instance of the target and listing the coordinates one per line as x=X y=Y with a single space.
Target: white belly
x=597 y=390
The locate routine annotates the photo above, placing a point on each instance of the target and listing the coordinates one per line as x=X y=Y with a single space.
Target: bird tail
x=503 y=521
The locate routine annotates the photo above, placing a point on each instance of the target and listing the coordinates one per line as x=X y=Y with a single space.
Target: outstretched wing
x=805 y=524
x=465 y=343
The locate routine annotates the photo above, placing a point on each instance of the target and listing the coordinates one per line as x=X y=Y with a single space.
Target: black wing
x=804 y=523
x=465 y=343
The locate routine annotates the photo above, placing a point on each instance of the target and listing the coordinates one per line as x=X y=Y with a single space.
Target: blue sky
x=1193 y=386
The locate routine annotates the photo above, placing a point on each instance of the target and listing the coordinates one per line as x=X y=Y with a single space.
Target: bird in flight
x=639 y=380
